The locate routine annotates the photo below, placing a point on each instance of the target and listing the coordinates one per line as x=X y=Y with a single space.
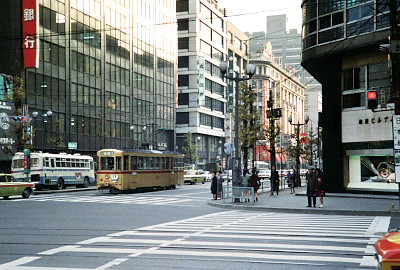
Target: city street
x=174 y=229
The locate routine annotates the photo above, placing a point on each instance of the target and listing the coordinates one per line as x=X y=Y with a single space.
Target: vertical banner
x=30 y=26
x=202 y=81
x=230 y=82
x=396 y=145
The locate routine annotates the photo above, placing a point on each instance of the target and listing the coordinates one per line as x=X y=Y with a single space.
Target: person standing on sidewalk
x=255 y=182
x=311 y=180
x=274 y=181
x=214 y=186
x=220 y=180
x=320 y=191
x=245 y=184
x=291 y=179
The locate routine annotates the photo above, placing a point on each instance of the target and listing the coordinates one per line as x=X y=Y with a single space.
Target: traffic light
x=372 y=97
x=228 y=148
x=21 y=119
x=277 y=113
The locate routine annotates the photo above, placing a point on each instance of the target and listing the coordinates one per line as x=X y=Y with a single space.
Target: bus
x=55 y=171
x=130 y=169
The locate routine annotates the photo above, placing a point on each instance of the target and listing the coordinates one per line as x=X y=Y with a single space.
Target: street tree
x=190 y=149
x=251 y=129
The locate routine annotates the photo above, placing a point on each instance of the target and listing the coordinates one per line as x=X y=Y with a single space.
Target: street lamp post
x=297 y=125
x=223 y=66
x=132 y=128
x=44 y=118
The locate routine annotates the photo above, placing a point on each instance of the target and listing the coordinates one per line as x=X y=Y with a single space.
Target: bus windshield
x=107 y=163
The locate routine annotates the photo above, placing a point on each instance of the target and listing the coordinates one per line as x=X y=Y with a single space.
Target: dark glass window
x=183 y=43
x=182 y=5
x=352 y=100
x=182 y=118
x=183 y=61
x=183 y=24
x=183 y=80
x=183 y=99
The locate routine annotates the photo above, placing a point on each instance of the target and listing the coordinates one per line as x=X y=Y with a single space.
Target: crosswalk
x=230 y=238
x=118 y=199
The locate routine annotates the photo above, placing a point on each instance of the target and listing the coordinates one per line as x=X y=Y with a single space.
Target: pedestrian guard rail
x=238 y=194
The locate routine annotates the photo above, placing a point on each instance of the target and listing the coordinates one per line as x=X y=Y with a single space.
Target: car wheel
x=27 y=192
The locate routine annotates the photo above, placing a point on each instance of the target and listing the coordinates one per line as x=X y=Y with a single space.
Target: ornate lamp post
x=223 y=66
x=297 y=125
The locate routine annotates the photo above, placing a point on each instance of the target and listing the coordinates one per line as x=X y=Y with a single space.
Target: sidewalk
x=334 y=203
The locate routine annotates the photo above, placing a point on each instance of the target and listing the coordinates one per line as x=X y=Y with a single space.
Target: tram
x=130 y=169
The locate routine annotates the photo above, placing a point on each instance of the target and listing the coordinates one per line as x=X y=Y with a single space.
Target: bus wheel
x=86 y=183
x=27 y=192
x=60 y=184
x=5 y=197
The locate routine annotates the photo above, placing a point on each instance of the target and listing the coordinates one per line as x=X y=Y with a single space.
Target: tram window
x=107 y=163
x=126 y=163
x=118 y=163
x=134 y=163
x=162 y=163
x=168 y=163
x=145 y=164
x=150 y=163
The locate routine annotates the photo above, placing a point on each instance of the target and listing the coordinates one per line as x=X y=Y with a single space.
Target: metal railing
x=238 y=194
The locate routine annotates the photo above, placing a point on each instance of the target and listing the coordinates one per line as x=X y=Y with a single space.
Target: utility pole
x=271 y=127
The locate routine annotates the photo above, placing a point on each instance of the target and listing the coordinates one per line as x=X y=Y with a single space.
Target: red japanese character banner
x=30 y=38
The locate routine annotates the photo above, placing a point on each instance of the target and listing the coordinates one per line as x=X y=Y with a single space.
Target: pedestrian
x=245 y=184
x=220 y=180
x=255 y=182
x=214 y=185
x=274 y=180
x=311 y=180
x=291 y=180
x=320 y=191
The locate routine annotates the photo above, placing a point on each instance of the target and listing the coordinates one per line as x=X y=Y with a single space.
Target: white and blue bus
x=55 y=170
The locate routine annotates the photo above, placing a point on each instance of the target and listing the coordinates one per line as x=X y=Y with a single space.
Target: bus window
x=126 y=163
x=52 y=162
x=107 y=163
x=34 y=162
x=46 y=162
x=118 y=163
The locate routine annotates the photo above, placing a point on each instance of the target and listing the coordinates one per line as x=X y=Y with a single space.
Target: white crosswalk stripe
x=119 y=199
x=244 y=237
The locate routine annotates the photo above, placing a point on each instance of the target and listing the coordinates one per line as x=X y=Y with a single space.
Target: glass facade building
x=107 y=71
x=341 y=49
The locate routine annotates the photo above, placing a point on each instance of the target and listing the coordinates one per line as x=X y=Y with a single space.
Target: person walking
x=311 y=180
x=255 y=182
x=214 y=186
x=291 y=180
x=320 y=191
x=274 y=180
x=220 y=180
x=245 y=183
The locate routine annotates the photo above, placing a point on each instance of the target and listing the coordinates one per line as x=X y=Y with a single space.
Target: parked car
x=193 y=177
x=9 y=186
x=263 y=174
x=388 y=251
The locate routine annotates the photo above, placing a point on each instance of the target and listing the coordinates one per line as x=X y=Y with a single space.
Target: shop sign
x=30 y=26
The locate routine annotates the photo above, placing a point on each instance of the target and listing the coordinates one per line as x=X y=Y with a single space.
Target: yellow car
x=9 y=186
x=193 y=177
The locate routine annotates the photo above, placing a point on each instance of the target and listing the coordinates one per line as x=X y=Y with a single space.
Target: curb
x=308 y=210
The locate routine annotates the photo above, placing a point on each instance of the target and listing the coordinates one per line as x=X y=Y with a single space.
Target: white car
x=264 y=174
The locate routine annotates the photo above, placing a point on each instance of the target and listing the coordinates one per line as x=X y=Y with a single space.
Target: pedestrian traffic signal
x=277 y=113
x=372 y=97
x=21 y=119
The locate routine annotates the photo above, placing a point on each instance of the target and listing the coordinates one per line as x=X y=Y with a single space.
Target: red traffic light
x=372 y=95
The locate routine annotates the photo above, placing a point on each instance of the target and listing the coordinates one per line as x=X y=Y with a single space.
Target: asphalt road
x=173 y=229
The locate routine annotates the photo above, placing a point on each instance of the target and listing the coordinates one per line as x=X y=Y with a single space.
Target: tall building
x=106 y=70
x=341 y=43
x=202 y=95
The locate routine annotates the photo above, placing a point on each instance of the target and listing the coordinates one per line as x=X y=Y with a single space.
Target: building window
x=354 y=78
x=183 y=61
x=182 y=118
x=183 y=43
x=183 y=24
x=183 y=99
x=182 y=5
x=183 y=80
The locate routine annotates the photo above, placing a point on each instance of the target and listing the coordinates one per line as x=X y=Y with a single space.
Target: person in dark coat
x=220 y=180
x=311 y=180
x=254 y=181
x=214 y=186
x=320 y=190
x=274 y=181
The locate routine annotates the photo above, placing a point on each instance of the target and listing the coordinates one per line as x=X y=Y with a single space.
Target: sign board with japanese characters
x=202 y=81
x=30 y=39
x=396 y=132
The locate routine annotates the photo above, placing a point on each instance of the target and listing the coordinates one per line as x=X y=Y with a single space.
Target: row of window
x=68 y=162
x=140 y=163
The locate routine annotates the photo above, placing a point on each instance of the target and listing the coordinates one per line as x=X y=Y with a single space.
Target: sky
x=250 y=15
